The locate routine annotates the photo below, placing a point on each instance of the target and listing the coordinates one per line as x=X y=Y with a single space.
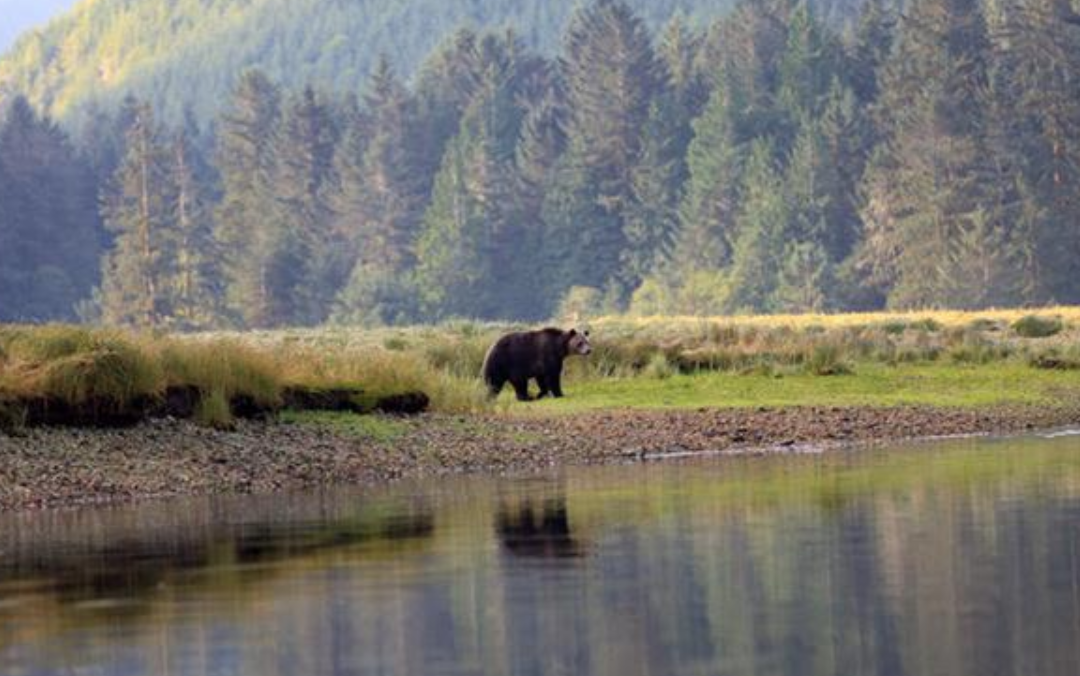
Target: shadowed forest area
x=779 y=159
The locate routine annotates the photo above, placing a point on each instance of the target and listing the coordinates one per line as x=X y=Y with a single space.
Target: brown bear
x=517 y=357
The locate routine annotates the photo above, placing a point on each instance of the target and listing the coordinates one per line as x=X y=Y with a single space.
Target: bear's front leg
x=545 y=386
x=556 y=385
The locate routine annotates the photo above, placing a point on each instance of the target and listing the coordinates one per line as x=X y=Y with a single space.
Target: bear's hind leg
x=521 y=387
x=495 y=386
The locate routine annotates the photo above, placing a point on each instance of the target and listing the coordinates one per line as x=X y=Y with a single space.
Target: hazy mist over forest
x=200 y=163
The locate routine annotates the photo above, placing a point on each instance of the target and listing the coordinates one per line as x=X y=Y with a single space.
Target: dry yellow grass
x=946 y=318
x=77 y=363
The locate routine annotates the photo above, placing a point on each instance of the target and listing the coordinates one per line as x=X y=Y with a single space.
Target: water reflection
x=538 y=531
x=956 y=560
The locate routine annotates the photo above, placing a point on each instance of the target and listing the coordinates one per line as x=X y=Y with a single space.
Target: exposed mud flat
x=48 y=468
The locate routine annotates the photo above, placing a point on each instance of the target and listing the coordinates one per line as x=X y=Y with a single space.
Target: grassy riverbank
x=652 y=387
x=950 y=359
x=878 y=359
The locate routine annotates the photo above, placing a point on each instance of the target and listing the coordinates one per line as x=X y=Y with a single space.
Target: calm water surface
x=953 y=559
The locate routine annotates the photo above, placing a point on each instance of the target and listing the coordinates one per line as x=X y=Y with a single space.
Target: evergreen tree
x=196 y=288
x=472 y=252
x=49 y=228
x=137 y=271
x=934 y=172
x=707 y=213
x=759 y=242
x=652 y=220
x=805 y=279
x=660 y=177
x=612 y=78
x=807 y=65
x=303 y=179
x=254 y=246
x=386 y=215
x=1040 y=133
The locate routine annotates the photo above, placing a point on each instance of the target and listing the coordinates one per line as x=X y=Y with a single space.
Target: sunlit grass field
x=933 y=384
x=940 y=358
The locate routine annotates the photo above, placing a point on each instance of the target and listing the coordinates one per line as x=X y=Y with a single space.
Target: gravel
x=50 y=468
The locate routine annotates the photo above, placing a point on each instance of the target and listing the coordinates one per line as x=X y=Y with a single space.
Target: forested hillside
x=767 y=161
x=181 y=54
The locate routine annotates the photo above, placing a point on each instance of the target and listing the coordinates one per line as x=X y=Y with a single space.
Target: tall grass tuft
x=1034 y=326
x=222 y=370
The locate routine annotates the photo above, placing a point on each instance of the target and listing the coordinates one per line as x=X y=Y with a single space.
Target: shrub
x=1058 y=360
x=826 y=360
x=659 y=367
x=1034 y=326
x=894 y=328
x=927 y=325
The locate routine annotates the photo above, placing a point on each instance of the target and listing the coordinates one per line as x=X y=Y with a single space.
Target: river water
x=952 y=558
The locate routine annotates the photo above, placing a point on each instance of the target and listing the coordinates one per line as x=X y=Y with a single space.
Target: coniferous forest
x=774 y=160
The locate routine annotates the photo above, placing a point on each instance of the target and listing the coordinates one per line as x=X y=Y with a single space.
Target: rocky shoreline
x=51 y=468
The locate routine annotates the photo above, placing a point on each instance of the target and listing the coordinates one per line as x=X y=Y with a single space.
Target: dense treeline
x=768 y=163
x=187 y=54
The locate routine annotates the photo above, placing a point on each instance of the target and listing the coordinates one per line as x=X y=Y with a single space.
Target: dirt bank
x=62 y=467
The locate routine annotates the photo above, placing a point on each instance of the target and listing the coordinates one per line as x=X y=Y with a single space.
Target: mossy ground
x=378 y=428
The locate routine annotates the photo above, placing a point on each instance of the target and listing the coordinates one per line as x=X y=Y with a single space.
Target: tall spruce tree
x=1039 y=56
x=139 y=268
x=197 y=283
x=612 y=78
x=255 y=248
x=303 y=179
x=707 y=213
x=758 y=246
x=385 y=217
x=474 y=248
x=933 y=176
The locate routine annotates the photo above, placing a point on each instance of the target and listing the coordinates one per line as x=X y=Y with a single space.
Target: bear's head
x=578 y=342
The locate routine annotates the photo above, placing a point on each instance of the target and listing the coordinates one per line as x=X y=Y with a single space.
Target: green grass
x=871 y=384
x=377 y=428
x=880 y=359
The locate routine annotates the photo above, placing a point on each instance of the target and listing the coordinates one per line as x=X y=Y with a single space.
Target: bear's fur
x=518 y=357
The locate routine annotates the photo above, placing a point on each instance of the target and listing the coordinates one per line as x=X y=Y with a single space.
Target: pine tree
x=138 y=269
x=935 y=170
x=196 y=289
x=251 y=239
x=660 y=177
x=707 y=213
x=759 y=243
x=1039 y=52
x=652 y=221
x=807 y=65
x=386 y=215
x=50 y=232
x=452 y=272
x=472 y=252
x=612 y=78
x=303 y=179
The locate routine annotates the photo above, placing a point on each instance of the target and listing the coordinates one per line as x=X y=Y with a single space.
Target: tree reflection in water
x=957 y=560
